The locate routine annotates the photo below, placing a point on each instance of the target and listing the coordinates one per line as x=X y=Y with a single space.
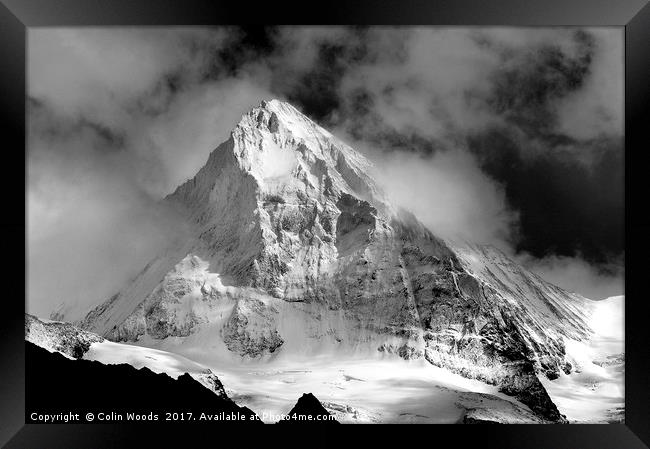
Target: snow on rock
x=481 y=409
x=59 y=337
x=309 y=409
x=296 y=253
x=381 y=389
x=594 y=391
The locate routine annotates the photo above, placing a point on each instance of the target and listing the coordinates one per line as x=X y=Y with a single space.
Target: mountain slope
x=595 y=391
x=295 y=252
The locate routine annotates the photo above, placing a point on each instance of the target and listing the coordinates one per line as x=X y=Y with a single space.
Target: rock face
x=60 y=337
x=296 y=249
x=481 y=409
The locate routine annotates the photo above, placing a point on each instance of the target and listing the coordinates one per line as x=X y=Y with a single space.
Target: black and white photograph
x=333 y=224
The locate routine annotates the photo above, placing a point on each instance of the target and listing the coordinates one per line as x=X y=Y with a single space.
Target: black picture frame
x=18 y=15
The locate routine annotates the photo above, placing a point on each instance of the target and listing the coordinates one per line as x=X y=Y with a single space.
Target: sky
x=504 y=136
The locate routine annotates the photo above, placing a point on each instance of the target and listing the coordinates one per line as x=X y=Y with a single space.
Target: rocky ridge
x=54 y=382
x=75 y=343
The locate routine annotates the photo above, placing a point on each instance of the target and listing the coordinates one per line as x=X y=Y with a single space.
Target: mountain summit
x=295 y=252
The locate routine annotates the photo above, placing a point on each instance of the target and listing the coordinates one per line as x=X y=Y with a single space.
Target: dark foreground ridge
x=55 y=384
x=309 y=409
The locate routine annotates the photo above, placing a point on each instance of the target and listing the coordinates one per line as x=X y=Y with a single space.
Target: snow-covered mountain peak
x=294 y=252
x=277 y=155
x=279 y=117
x=278 y=145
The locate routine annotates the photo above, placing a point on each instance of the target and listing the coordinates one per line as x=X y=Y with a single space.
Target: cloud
x=443 y=83
x=147 y=86
x=423 y=86
x=596 y=110
x=117 y=120
x=576 y=275
x=86 y=239
x=543 y=102
x=448 y=192
x=78 y=69
x=194 y=124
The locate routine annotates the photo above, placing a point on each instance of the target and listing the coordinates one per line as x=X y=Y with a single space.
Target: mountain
x=309 y=409
x=294 y=251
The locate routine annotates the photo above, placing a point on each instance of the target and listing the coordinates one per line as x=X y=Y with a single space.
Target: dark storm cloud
x=566 y=207
x=308 y=64
x=541 y=110
x=449 y=83
x=530 y=80
x=506 y=136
